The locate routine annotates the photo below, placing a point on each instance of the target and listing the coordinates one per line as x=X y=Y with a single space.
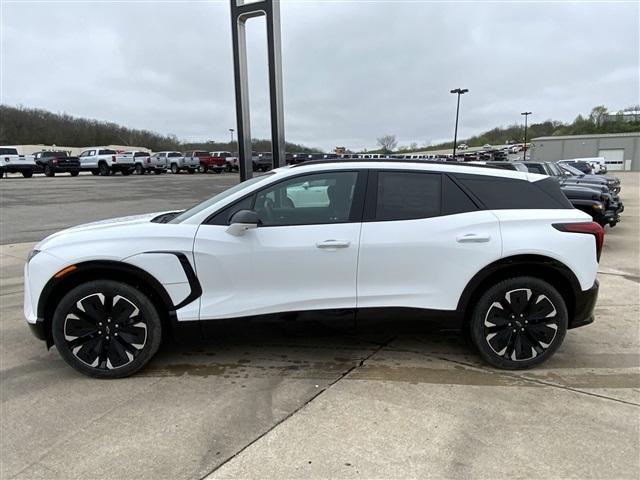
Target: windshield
x=215 y=199
x=572 y=170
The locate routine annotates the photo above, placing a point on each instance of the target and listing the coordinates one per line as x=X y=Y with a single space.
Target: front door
x=303 y=255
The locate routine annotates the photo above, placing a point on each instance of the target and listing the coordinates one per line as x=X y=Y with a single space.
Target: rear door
x=422 y=240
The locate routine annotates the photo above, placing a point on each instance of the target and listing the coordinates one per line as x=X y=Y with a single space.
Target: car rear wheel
x=49 y=170
x=127 y=172
x=174 y=168
x=139 y=169
x=518 y=323
x=27 y=174
x=106 y=329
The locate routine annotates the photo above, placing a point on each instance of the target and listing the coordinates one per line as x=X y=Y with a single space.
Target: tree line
x=598 y=121
x=32 y=126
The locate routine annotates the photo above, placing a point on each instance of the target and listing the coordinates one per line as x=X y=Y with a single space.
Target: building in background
x=621 y=151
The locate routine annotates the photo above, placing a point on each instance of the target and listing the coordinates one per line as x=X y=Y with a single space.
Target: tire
x=518 y=323
x=49 y=170
x=75 y=173
x=255 y=166
x=139 y=169
x=175 y=168
x=104 y=170
x=1 y=173
x=102 y=341
x=203 y=169
x=228 y=168
x=27 y=173
x=127 y=172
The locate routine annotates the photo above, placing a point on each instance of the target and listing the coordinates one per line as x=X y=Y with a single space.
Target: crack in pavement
x=531 y=380
x=380 y=347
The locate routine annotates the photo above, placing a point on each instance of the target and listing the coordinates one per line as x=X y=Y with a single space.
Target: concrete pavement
x=288 y=400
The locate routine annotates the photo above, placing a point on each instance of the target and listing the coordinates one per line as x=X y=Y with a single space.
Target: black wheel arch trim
x=116 y=269
x=527 y=265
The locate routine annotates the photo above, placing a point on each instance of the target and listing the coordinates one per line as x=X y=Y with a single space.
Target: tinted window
x=173 y=154
x=310 y=199
x=454 y=200
x=140 y=154
x=8 y=151
x=508 y=193
x=533 y=168
x=407 y=195
x=107 y=152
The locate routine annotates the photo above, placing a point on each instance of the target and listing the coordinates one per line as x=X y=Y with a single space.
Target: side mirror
x=241 y=221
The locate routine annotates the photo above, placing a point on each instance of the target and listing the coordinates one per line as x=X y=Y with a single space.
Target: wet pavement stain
x=455 y=375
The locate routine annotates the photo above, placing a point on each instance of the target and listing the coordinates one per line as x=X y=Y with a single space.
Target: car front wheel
x=518 y=323
x=106 y=329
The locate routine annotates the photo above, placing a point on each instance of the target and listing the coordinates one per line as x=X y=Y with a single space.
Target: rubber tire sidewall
x=154 y=327
x=480 y=310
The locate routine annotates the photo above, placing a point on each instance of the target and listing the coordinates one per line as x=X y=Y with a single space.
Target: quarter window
x=407 y=195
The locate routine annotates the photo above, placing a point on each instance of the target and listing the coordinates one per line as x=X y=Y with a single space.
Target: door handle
x=333 y=244
x=473 y=238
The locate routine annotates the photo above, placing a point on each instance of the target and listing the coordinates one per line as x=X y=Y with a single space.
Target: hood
x=103 y=224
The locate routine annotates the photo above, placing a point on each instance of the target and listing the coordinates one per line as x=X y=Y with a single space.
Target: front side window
x=307 y=200
x=407 y=195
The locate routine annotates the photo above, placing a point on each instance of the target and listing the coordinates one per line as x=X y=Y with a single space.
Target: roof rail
x=388 y=160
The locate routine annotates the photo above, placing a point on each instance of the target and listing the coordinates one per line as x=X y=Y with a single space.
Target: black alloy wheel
x=106 y=329
x=519 y=323
x=49 y=171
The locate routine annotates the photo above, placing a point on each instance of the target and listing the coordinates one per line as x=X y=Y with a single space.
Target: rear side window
x=107 y=152
x=454 y=200
x=407 y=195
x=497 y=193
x=533 y=168
x=141 y=154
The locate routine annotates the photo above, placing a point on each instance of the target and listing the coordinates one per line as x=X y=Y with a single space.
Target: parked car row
x=104 y=161
x=597 y=195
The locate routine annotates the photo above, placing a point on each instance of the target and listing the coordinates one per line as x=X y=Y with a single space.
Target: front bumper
x=584 y=307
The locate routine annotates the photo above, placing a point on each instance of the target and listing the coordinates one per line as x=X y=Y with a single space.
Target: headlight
x=32 y=254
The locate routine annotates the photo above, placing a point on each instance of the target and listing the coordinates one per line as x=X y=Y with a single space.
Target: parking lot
x=314 y=400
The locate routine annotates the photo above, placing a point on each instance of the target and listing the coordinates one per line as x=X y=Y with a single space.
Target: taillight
x=590 y=228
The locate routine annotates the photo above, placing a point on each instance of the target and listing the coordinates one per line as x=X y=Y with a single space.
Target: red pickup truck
x=207 y=162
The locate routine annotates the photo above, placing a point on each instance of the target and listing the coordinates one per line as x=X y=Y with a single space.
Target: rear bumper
x=118 y=167
x=585 y=306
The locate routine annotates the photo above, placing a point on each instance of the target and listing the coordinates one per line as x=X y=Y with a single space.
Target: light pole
x=526 y=116
x=231 y=130
x=459 y=91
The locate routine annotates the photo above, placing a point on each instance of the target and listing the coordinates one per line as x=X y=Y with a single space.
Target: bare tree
x=388 y=143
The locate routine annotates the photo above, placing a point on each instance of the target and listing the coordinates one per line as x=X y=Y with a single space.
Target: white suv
x=502 y=253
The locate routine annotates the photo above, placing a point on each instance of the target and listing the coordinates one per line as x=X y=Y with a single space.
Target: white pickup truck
x=176 y=161
x=144 y=162
x=103 y=161
x=11 y=162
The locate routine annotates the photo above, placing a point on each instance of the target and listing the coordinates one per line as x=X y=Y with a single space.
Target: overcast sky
x=353 y=70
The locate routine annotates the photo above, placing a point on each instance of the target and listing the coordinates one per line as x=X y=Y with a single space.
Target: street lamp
x=526 y=116
x=231 y=130
x=459 y=91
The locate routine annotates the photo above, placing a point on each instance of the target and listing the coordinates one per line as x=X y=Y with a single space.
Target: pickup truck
x=11 y=162
x=143 y=161
x=177 y=161
x=51 y=163
x=230 y=160
x=204 y=161
x=102 y=161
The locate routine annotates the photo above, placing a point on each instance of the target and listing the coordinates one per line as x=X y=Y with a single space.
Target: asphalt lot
x=313 y=400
